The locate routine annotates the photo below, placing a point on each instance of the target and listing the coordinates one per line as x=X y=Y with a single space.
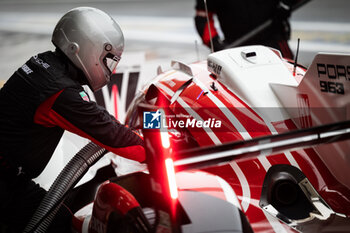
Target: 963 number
x=332 y=87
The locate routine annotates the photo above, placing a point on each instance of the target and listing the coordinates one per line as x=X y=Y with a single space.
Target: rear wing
x=322 y=97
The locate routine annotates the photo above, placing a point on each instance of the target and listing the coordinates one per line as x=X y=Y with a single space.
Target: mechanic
x=237 y=18
x=44 y=97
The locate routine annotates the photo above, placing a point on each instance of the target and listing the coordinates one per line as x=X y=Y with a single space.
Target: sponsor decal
x=41 y=62
x=26 y=69
x=336 y=75
x=304 y=111
x=214 y=67
x=333 y=71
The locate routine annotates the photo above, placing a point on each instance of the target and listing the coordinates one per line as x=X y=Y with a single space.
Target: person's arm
x=201 y=23
x=72 y=110
x=283 y=9
x=281 y=14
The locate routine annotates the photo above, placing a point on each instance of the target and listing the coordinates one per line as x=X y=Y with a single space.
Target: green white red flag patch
x=84 y=96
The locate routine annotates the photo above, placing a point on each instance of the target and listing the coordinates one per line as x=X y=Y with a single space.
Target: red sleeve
x=202 y=26
x=71 y=110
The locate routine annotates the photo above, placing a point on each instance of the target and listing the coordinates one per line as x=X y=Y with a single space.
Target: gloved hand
x=135 y=131
x=283 y=10
x=218 y=44
x=280 y=22
x=135 y=151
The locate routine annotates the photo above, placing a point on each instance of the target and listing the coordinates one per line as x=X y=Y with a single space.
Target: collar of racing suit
x=73 y=71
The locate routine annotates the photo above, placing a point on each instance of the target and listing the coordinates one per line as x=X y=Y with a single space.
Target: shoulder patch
x=84 y=96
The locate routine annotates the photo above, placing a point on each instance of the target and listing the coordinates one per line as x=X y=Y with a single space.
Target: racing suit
x=40 y=100
x=237 y=18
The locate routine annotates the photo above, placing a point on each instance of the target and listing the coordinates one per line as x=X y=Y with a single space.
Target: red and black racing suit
x=42 y=99
x=237 y=18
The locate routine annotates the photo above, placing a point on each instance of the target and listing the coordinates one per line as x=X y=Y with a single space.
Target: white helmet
x=92 y=40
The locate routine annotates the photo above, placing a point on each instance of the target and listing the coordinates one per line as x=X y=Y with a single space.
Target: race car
x=253 y=91
x=245 y=141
